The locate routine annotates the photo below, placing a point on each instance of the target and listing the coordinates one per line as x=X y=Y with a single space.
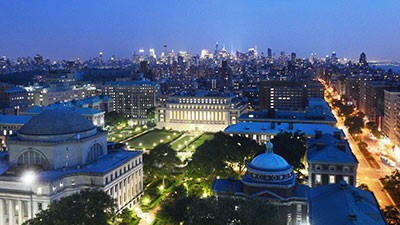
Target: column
x=29 y=209
x=2 y=214
x=11 y=212
x=20 y=210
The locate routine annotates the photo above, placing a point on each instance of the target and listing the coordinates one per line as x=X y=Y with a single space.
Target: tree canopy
x=392 y=184
x=215 y=211
x=161 y=161
x=89 y=206
x=291 y=146
x=222 y=156
x=114 y=118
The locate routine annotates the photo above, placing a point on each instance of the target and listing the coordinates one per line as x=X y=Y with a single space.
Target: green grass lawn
x=117 y=135
x=153 y=138
x=181 y=142
x=204 y=137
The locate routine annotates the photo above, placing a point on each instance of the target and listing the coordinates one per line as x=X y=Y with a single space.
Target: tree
x=222 y=156
x=161 y=161
x=125 y=216
x=355 y=123
x=226 y=210
x=114 y=118
x=291 y=146
x=174 y=209
x=151 y=117
x=392 y=215
x=89 y=206
x=392 y=184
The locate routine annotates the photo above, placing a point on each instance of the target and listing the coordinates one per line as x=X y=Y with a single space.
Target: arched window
x=32 y=158
x=96 y=150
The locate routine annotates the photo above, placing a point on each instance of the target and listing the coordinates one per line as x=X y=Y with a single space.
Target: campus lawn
x=180 y=144
x=204 y=137
x=153 y=138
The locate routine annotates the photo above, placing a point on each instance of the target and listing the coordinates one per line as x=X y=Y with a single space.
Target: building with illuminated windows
x=64 y=153
x=330 y=160
x=132 y=98
x=269 y=177
x=200 y=113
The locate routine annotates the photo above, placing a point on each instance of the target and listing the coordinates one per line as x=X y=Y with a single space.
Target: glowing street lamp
x=29 y=178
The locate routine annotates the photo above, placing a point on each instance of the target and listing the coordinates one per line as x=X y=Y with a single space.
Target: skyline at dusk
x=80 y=29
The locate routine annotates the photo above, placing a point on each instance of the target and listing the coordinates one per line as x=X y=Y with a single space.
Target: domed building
x=66 y=153
x=269 y=174
x=270 y=177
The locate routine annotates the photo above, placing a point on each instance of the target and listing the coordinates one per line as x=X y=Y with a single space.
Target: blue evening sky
x=69 y=29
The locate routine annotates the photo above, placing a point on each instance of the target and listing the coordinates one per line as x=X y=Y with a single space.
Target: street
x=366 y=174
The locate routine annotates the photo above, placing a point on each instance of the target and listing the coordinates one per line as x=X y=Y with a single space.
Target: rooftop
x=105 y=164
x=56 y=122
x=267 y=128
x=326 y=149
x=14 y=119
x=352 y=206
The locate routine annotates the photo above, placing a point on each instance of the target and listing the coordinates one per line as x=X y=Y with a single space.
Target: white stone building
x=200 y=113
x=67 y=154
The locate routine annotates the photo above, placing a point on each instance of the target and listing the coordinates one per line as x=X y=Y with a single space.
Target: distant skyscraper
x=101 y=57
x=269 y=52
x=152 y=53
x=363 y=60
x=293 y=57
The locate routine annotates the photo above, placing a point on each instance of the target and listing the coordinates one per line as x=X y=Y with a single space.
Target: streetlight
x=29 y=178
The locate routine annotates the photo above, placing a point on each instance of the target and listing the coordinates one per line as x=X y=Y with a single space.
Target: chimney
x=342 y=146
x=272 y=125
x=337 y=135
x=318 y=134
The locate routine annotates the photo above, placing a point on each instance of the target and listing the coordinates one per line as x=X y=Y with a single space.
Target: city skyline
x=81 y=29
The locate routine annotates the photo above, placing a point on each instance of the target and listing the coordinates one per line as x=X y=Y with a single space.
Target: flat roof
x=14 y=119
x=265 y=128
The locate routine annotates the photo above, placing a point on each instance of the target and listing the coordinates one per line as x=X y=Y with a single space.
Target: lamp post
x=29 y=178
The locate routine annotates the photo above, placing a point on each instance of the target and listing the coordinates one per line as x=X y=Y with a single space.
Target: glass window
x=346 y=179
x=331 y=179
x=317 y=178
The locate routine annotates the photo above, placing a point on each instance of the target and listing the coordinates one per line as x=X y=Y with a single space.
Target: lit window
x=346 y=179
x=317 y=178
x=331 y=179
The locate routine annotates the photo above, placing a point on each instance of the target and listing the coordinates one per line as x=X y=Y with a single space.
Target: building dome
x=56 y=122
x=269 y=167
x=269 y=162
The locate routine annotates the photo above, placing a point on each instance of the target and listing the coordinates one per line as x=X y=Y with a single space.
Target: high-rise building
x=133 y=98
x=290 y=95
x=269 y=53
x=363 y=60
x=374 y=100
x=12 y=98
x=391 y=111
x=224 y=76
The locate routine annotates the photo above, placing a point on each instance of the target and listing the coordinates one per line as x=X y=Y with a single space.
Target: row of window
x=202 y=100
x=117 y=173
x=196 y=107
x=332 y=179
x=333 y=168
